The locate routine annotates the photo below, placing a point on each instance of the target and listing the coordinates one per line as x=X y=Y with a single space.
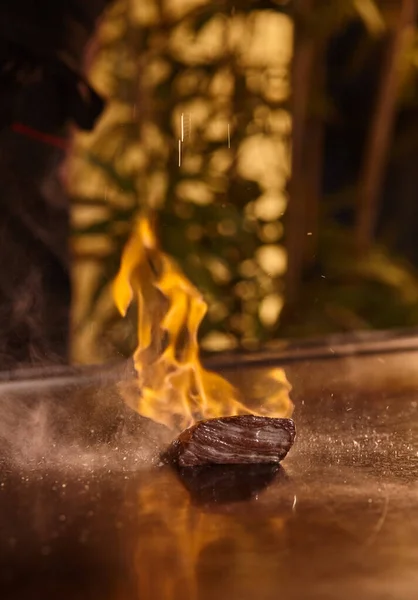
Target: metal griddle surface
x=340 y=521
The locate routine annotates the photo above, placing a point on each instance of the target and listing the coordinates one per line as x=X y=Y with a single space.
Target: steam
x=34 y=320
x=78 y=425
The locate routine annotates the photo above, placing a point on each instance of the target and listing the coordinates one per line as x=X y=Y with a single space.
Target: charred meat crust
x=243 y=439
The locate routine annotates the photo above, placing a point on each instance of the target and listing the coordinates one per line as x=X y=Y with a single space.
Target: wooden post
x=377 y=146
x=295 y=226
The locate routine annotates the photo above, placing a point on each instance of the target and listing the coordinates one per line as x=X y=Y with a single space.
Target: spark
x=179 y=153
x=295 y=499
x=379 y=525
x=229 y=137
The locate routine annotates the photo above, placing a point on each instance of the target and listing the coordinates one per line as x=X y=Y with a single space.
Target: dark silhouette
x=42 y=93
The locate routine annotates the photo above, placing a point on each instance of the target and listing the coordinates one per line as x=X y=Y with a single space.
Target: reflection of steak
x=244 y=439
x=221 y=484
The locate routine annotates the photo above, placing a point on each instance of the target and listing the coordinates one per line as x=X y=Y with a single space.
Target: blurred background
x=275 y=141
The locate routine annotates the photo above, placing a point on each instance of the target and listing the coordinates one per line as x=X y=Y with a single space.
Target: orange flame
x=174 y=388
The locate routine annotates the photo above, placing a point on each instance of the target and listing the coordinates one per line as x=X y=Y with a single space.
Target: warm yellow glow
x=272 y=259
x=174 y=388
x=183 y=532
x=197 y=61
x=270 y=309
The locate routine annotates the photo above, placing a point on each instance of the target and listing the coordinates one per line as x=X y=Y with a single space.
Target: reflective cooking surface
x=338 y=521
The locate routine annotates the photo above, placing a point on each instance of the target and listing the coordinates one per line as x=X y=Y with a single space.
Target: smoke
x=75 y=424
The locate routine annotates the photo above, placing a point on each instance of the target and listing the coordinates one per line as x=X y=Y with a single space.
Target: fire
x=173 y=387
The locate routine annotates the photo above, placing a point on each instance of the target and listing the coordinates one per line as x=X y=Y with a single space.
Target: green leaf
x=125 y=184
x=99 y=227
x=371 y=16
x=89 y=201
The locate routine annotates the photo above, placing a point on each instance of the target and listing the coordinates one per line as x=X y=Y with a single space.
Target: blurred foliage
x=197 y=130
x=345 y=293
